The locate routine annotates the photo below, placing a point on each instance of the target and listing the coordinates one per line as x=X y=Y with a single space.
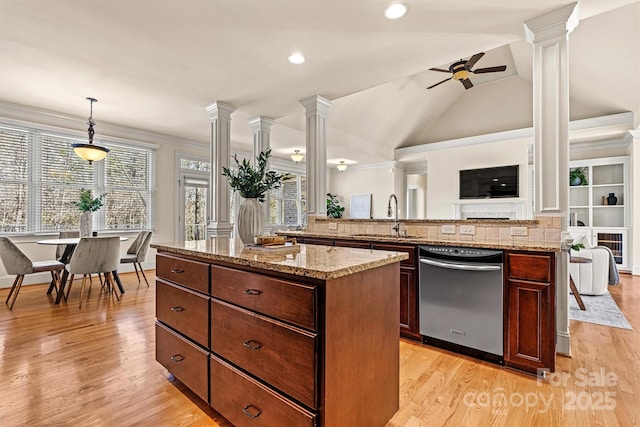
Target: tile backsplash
x=541 y=231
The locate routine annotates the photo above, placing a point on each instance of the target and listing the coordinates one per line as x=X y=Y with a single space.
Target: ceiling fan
x=460 y=70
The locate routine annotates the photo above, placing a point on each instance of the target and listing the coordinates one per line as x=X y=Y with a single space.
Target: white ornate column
x=316 y=121
x=261 y=127
x=635 y=207
x=219 y=193
x=549 y=35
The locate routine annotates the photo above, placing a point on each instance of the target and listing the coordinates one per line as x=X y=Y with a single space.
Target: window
x=14 y=180
x=41 y=178
x=288 y=205
x=127 y=188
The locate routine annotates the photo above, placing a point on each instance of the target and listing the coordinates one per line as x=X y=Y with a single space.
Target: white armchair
x=591 y=278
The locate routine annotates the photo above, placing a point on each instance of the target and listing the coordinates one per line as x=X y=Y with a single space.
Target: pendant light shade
x=342 y=166
x=296 y=156
x=90 y=151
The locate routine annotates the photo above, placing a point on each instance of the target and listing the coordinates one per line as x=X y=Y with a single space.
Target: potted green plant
x=334 y=210
x=87 y=204
x=577 y=176
x=252 y=182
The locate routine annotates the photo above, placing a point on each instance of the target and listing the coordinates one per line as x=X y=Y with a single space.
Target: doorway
x=192 y=216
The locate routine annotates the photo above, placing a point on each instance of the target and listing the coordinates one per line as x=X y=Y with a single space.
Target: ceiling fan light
x=461 y=74
x=297 y=156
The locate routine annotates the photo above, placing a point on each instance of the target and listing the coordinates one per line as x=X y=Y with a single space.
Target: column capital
x=261 y=123
x=220 y=110
x=316 y=105
x=553 y=25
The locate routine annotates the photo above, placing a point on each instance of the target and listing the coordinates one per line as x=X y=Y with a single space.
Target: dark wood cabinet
x=409 y=327
x=530 y=311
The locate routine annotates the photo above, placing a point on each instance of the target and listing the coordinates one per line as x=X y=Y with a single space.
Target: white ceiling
x=156 y=66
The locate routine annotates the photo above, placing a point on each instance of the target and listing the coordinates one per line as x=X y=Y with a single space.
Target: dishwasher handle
x=467 y=267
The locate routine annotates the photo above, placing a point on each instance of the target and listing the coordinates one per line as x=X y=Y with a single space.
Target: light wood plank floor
x=95 y=366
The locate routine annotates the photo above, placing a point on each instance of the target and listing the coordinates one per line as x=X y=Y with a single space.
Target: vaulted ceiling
x=157 y=65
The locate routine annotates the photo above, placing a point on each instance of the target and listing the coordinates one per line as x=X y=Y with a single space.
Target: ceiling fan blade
x=445 y=80
x=489 y=69
x=467 y=83
x=472 y=61
x=440 y=69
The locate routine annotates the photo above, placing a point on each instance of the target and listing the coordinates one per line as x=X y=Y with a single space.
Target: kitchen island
x=305 y=335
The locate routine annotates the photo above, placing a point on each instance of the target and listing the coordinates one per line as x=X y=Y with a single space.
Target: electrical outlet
x=333 y=226
x=468 y=229
x=448 y=229
x=518 y=231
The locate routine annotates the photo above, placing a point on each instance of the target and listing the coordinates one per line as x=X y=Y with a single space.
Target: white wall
x=380 y=181
x=444 y=166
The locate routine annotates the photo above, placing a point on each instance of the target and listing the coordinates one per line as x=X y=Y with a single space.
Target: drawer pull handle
x=252 y=291
x=251 y=414
x=252 y=344
x=177 y=309
x=177 y=358
x=177 y=270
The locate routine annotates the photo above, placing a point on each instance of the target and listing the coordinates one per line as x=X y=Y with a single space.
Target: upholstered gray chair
x=137 y=253
x=16 y=262
x=61 y=248
x=95 y=255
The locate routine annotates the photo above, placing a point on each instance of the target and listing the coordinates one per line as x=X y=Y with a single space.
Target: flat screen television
x=489 y=183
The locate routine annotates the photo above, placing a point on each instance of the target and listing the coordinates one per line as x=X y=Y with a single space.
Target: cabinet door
x=529 y=327
x=409 y=303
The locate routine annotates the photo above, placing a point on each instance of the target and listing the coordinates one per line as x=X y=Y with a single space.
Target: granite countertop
x=422 y=240
x=320 y=262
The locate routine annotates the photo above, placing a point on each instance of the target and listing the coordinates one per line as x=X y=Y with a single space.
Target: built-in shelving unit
x=592 y=211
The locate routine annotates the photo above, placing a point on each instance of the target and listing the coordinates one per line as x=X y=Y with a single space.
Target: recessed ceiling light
x=296 y=58
x=395 y=11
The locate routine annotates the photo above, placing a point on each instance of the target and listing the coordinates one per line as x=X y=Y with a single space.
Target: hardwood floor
x=95 y=366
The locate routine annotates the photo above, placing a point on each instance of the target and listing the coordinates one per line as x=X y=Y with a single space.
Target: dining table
x=70 y=244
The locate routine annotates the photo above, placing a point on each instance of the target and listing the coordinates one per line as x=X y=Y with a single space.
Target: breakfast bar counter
x=301 y=336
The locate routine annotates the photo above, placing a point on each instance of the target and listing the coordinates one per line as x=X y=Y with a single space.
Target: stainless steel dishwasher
x=461 y=299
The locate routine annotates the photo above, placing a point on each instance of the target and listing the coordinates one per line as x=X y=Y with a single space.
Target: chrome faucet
x=396 y=224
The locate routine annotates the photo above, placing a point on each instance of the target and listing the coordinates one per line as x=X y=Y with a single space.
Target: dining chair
x=95 y=255
x=61 y=248
x=137 y=253
x=16 y=262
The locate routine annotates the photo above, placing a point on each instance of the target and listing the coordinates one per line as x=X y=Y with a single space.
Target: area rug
x=601 y=309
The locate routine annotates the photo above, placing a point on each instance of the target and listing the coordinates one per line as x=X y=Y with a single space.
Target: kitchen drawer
x=184 y=360
x=411 y=250
x=186 y=272
x=251 y=403
x=288 y=301
x=277 y=353
x=528 y=266
x=183 y=310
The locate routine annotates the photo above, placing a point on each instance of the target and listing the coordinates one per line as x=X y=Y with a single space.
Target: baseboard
x=563 y=343
x=45 y=277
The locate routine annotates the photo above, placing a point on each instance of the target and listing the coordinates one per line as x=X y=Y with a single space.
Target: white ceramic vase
x=250 y=220
x=86 y=224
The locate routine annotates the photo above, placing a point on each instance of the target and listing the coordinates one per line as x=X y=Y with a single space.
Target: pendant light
x=297 y=156
x=342 y=166
x=90 y=151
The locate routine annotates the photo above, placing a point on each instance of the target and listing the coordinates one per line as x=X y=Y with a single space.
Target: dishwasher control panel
x=459 y=252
